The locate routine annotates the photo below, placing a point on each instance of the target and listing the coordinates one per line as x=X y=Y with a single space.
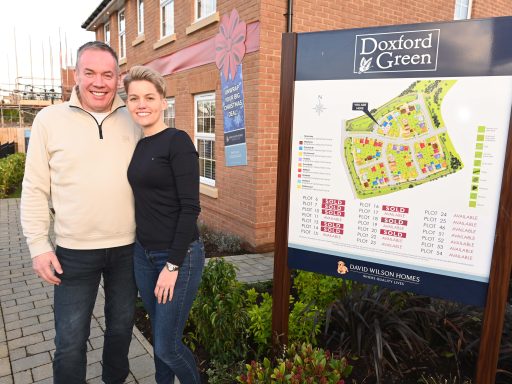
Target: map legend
x=314 y=163
x=479 y=147
x=299 y=165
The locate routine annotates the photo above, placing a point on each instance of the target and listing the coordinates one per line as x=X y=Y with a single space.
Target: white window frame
x=163 y=5
x=462 y=9
x=121 y=23
x=140 y=17
x=170 y=113
x=106 y=33
x=210 y=136
x=204 y=8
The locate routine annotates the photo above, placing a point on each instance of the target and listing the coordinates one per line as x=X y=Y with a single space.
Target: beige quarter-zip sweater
x=80 y=166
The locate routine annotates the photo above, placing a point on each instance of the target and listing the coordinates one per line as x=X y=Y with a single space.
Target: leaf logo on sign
x=365 y=64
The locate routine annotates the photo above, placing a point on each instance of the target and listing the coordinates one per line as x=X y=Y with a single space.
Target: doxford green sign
x=397 y=156
x=394 y=164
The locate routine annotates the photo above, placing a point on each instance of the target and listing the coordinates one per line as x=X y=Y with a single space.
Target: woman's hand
x=165 y=285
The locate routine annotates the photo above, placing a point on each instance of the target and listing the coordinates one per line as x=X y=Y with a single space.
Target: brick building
x=177 y=37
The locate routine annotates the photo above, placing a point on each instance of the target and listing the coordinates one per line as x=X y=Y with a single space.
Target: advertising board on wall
x=229 y=52
x=398 y=150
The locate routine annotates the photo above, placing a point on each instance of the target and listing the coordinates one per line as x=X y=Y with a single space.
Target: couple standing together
x=126 y=206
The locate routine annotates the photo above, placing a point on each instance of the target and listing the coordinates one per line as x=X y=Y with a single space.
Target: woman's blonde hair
x=140 y=72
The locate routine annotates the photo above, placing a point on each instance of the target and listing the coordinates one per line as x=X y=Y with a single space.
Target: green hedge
x=12 y=169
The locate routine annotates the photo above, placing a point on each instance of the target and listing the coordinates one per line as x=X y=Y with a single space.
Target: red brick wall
x=317 y=15
x=486 y=8
x=273 y=24
x=246 y=195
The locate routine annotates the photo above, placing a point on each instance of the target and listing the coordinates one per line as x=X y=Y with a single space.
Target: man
x=78 y=157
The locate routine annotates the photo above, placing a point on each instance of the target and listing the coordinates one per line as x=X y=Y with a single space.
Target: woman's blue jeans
x=172 y=357
x=74 y=302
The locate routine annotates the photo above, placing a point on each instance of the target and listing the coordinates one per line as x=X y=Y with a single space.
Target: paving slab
x=26 y=313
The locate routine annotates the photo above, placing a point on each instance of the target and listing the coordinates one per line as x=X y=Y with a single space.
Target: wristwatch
x=171 y=267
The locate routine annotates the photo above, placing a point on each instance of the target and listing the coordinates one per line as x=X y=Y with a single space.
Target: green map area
x=409 y=146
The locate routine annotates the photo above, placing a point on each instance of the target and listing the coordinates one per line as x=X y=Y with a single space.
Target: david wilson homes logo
x=405 y=51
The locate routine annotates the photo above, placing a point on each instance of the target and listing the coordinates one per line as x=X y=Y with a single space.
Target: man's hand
x=44 y=265
x=164 y=288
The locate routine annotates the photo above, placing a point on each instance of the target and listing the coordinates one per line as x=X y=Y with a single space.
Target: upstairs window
x=205 y=8
x=106 y=33
x=166 y=17
x=170 y=113
x=140 y=17
x=122 y=34
x=462 y=10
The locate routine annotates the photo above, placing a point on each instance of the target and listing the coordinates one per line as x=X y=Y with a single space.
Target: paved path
x=26 y=313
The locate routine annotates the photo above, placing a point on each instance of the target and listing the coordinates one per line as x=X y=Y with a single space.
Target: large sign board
x=397 y=154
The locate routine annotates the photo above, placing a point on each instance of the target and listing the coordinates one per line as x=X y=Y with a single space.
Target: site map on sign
x=406 y=144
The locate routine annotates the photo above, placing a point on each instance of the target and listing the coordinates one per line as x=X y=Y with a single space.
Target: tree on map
x=436 y=95
x=432 y=86
x=409 y=89
x=436 y=120
x=455 y=162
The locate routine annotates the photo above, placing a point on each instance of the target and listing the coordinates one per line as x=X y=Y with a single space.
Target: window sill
x=122 y=61
x=138 y=40
x=209 y=191
x=203 y=23
x=164 y=40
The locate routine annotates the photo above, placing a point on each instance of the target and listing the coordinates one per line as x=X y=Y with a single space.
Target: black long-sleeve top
x=164 y=176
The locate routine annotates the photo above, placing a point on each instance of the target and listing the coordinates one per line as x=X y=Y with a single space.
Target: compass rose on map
x=319 y=107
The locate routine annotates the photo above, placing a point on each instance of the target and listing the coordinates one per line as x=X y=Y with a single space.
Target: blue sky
x=37 y=24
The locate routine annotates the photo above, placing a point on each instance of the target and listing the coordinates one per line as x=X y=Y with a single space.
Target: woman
x=169 y=255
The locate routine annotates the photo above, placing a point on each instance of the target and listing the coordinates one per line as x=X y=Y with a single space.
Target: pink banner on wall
x=230 y=48
x=201 y=53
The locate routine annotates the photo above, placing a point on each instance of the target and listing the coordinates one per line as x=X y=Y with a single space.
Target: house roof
x=101 y=14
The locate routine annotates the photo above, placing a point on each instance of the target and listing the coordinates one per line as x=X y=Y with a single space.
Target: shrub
x=12 y=169
x=220 y=243
x=440 y=379
x=314 y=292
x=505 y=359
x=219 y=373
x=219 y=314
x=320 y=290
x=301 y=364
x=260 y=324
x=456 y=335
x=400 y=331
x=380 y=326
x=304 y=323
x=456 y=332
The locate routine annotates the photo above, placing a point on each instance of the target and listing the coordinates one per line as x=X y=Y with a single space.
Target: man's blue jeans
x=74 y=301
x=172 y=357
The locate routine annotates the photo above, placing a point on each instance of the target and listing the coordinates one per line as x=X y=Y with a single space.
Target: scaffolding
x=18 y=110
